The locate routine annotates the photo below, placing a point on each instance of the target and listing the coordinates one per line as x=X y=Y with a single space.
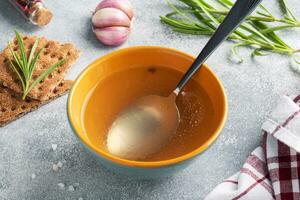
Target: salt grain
x=71 y=188
x=80 y=198
x=59 y=164
x=54 y=146
x=55 y=167
x=76 y=184
x=33 y=176
x=61 y=186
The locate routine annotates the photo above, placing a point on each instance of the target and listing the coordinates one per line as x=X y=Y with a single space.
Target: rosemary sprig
x=202 y=17
x=24 y=65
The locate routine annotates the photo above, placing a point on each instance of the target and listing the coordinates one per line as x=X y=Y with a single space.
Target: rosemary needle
x=201 y=17
x=24 y=65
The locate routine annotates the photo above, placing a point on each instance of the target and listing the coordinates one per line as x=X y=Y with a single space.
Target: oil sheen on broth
x=115 y=92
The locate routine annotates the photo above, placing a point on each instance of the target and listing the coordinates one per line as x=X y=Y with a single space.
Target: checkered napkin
x=272 y=171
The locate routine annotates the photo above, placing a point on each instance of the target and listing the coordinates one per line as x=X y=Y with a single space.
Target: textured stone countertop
x=25 y=145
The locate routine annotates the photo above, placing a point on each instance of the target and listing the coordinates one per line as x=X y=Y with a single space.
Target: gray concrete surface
x=25 y=145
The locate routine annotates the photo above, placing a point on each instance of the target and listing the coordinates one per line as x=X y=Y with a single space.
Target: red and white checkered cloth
x=272 y=171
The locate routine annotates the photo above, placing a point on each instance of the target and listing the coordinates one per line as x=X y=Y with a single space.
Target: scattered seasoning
x=34 y=11
x=54 y=146
x=57 y=166
x=33 y=176
x=71 y=188
x=61 y=186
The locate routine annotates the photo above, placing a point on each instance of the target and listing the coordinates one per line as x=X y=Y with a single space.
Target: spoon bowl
x=131 y=138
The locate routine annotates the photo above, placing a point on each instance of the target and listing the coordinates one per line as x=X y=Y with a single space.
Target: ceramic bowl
x=146 y=56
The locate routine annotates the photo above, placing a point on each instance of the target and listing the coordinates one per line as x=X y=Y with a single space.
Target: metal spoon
x=146 y=125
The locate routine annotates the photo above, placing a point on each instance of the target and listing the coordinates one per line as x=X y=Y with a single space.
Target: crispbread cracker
x=53 y=52
x=13 y=107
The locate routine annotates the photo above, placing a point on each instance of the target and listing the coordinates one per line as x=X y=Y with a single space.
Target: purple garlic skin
x=112 y=36
x=123 y=5
x=108 y=17
x=112 y=21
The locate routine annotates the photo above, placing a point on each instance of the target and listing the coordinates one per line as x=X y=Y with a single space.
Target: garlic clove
x=112 y=36
x=108 y=17
x=123 y=5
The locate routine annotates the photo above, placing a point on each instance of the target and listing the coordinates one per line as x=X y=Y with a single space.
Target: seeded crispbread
x=52 y=53
x=13 y=107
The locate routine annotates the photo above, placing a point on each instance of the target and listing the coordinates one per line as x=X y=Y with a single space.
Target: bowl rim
x=145 y=164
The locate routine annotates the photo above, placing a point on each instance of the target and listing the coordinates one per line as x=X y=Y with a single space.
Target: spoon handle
x=240 y=10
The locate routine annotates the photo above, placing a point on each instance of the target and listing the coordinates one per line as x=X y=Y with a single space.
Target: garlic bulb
x=112 y=21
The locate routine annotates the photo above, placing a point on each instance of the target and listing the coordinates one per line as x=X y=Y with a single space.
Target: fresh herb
x=202 y=17
x=24 y=65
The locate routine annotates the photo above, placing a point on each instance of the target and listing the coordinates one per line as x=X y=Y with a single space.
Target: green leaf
x=267 y=13
x=205 y=21
x=193 y=32
x=179 y=24
x=209 y=15
x=22 y=48
x=254 y=32
x=16 y=57
x=275 y=28
x=285 y=10
x=227 y=3
x=262 y=14
x=186 y=11
x=259 y=52
x=33 y=62
x=207 y=5
x=175 y=9
x=43 y=75
x=270 y=33
x=32 y=52
x=283 y=7
x=18 y=74
x=189 y=3
x=235 y=55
